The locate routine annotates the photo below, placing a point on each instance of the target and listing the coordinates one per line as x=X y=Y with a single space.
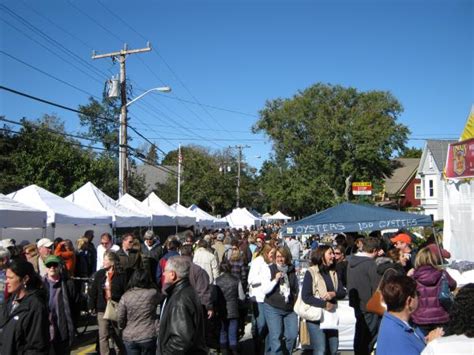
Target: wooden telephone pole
x=121 y=57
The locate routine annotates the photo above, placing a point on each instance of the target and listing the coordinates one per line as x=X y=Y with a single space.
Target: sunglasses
x=337 y=253
x=50 y=265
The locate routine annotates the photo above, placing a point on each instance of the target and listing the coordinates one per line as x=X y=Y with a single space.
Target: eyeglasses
x=50 y=265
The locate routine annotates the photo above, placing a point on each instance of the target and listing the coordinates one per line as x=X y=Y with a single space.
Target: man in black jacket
x=151 y=252
x=362 y=281
x=182 y=318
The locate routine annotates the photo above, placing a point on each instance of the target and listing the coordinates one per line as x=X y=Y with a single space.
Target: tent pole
x=439 y=246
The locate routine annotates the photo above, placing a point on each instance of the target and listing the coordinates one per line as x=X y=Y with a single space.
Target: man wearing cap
x=62 y=299
x=151 y=252
x=45 y=249
x=402 y=241
x=218 y=246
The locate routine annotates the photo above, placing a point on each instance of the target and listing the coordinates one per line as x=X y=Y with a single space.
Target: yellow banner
x=362 y=184
x=468 y=131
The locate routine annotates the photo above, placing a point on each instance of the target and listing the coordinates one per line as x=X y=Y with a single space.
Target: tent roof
x=59 y=210
x=241 y=217
x=279 y=216
x=350 y=217
x=133 y=204
x=14 y=214
x=158 y=206
x=208 y=219
x=91 y=197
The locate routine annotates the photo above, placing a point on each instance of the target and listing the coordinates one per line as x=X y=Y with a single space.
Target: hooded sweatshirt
x=362 y=280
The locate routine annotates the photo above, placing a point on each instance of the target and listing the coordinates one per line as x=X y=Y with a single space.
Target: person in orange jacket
x=65 y=250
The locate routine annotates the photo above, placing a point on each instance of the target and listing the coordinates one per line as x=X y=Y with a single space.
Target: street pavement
x=85 y=344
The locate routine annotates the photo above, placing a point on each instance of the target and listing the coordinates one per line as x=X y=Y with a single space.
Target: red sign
x=362 y=188
x=460 y=162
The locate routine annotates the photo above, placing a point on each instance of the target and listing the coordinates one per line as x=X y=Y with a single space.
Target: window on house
x=430 y=162
x=431 y=188
x=418 y=191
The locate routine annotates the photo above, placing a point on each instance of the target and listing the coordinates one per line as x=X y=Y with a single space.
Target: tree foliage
x=324 y=138
x=411 y=153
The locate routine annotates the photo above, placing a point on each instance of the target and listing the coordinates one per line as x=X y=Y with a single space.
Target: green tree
x=324 y=138
x=411 y=153
x=205 y=183
x=41 y=153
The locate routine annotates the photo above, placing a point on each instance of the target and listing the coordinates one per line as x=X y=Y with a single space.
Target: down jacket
x=137 y=314
x=429 y=310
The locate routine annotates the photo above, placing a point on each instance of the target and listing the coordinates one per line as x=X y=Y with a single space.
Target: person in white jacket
x=208 y=261
x=258 y=274
x=106 y=244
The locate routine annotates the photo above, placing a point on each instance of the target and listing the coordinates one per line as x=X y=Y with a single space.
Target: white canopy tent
x=279 y=217
x=91 y=197
x=64 y=218
x=241 y=217
x=216 y=223
x=158 y=206
x=14 y=214
x=157 y=220
x=200 y=222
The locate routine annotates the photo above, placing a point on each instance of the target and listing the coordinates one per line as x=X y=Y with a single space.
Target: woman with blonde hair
x=109 y=284
x=31 y=254
x=258 y=269
x=428 y=275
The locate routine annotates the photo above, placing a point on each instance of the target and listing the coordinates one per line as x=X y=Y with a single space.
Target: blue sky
x=235 y=55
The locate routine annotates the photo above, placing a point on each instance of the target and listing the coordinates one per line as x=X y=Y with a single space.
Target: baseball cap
x=52 y=259
x=220 y=237
x=7 y=243
x=402 y=237
x=44 y=242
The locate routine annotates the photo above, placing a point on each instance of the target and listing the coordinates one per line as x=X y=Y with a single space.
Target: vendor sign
x=460 y=162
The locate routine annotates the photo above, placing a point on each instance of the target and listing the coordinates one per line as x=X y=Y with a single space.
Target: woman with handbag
x=105 y=292
x=322 y=278
x=429 y=278
x=281 y=291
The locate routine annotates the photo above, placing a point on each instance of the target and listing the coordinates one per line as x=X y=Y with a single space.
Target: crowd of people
x=196 y=291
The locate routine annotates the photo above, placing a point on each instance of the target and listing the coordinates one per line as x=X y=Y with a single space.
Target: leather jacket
x=182 y=321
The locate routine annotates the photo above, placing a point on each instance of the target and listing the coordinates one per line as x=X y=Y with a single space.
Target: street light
x=123 y=180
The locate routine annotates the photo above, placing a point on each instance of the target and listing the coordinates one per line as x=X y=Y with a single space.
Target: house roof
x=156 y=174
x=439 y=151
x=407 y=167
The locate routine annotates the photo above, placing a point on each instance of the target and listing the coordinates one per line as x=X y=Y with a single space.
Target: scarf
x=284 y=282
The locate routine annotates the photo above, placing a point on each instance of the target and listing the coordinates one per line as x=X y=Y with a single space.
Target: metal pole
x=179 y=174
x=238 y=175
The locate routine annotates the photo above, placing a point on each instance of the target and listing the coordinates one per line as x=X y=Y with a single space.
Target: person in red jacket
x=65 y=250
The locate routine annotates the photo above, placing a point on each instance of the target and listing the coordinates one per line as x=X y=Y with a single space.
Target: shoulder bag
x=445 y=296
x=111 y=311
x=375 y=304
x=306 y=311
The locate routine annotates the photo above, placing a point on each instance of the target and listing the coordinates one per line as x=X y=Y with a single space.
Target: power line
x=47 y=74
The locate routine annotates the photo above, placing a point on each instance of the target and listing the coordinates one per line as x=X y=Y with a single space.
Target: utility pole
x=237 y=190
x=121 y=56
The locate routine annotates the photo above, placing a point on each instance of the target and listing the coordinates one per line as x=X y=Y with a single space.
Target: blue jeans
x=228 y=333
x=145 y=347
x=319 y=338
x=282 y=329
x=259 y=329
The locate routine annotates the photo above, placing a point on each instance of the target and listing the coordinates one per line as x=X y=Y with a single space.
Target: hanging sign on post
x=362 y=188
